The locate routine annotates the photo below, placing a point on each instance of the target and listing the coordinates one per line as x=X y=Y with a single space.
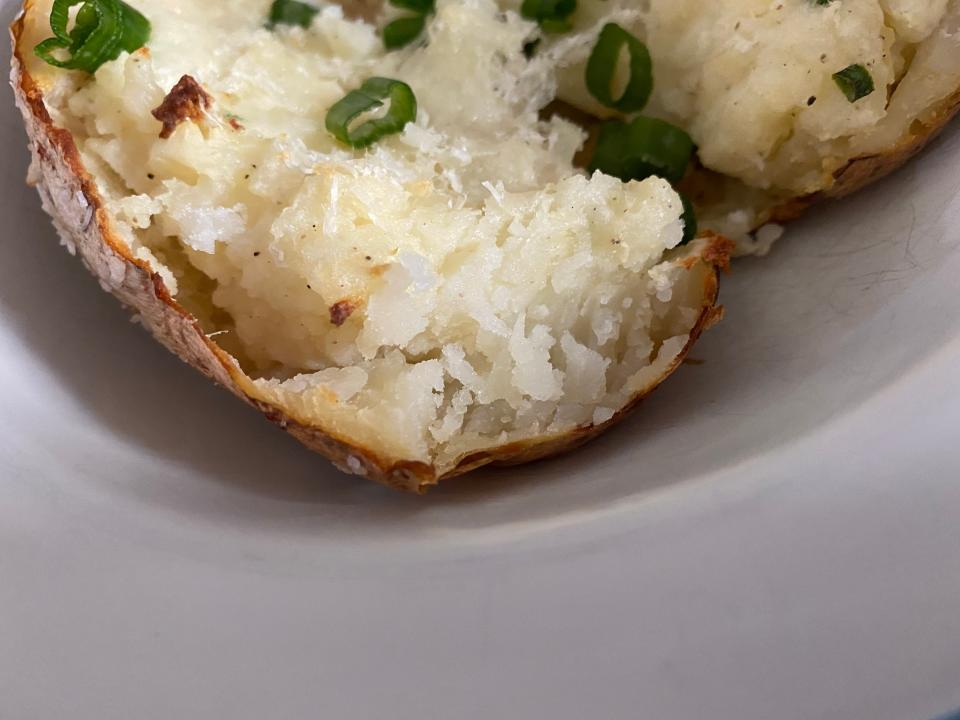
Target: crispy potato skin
x=69 y=195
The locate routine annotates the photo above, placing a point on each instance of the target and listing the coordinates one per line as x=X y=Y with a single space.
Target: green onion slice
x=854 y=81
x=642 y=148
x=370 y=96
x=689 y=220
x=403 y=31
x=602 y=67
x=291 y=12
x=610 y=154
x=101 y=31
x=552 y=15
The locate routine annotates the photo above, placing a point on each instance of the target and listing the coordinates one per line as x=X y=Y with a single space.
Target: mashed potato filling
x=455 y=287
x=752 y=82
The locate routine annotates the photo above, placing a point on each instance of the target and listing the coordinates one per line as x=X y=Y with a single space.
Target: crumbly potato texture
x=456 y=289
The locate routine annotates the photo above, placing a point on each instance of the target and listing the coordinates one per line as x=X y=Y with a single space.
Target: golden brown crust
x=718 y=251
x=70 y=196
x=187 y=100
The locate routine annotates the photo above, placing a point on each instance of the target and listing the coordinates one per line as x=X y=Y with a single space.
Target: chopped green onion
x=101 y=31
x=642 y=148
x=403 y=31
x=370 y=96
x=291 y=12
x=689 y=220
x=854 y=81
x=602 y=67
x=610 y=154
x=552 y=15
x=418 y=6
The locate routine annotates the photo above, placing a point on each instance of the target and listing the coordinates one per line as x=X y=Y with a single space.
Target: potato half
x=459 y=295
x=753 y=83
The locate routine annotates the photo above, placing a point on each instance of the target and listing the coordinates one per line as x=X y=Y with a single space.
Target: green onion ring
x=370 y=95
x=102 y=30
x=602 y=66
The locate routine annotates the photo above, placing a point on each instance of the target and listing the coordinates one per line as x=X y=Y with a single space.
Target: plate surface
x=774 y=534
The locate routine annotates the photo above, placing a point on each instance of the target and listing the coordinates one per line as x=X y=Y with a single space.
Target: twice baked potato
x=764 y=89
x=455 y=294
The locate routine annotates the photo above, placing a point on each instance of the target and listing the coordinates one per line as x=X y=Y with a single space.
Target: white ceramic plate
x=775 y=533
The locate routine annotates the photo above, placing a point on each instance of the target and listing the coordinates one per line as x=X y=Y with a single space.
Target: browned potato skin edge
x=862 y=171
x=70 y=196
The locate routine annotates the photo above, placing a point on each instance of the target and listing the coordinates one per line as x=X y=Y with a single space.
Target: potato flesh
x=751 y=81
x=494 y=292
